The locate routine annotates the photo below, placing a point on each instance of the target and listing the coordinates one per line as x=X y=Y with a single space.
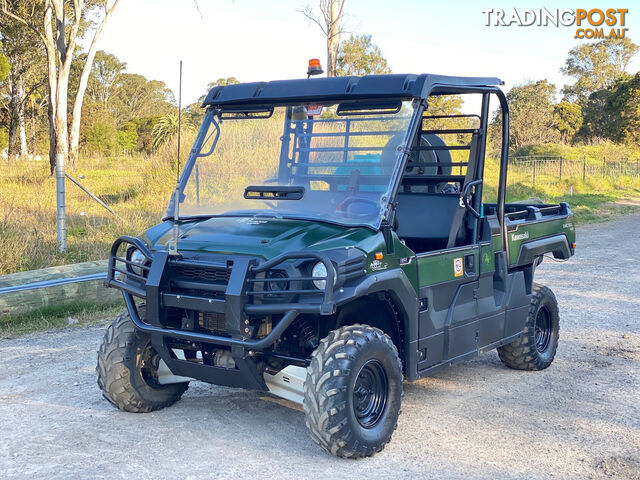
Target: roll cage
x=263 y=96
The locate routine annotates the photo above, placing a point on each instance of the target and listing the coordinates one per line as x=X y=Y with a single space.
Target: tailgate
x=535 y=230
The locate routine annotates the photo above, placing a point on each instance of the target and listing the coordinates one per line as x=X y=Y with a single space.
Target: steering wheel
x=344 y=209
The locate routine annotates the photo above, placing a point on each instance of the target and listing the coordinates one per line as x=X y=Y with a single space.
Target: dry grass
x=136 y=188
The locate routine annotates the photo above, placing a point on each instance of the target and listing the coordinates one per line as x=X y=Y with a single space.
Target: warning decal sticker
x=458 y=269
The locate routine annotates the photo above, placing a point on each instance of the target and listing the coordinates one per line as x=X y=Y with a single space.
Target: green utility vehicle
x=328 y=239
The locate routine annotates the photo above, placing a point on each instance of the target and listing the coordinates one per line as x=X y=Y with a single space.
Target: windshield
x=321 y=162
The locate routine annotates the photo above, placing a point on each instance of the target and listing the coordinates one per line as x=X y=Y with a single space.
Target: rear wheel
x=128 y=369
x=536 y=348
x=353 y=391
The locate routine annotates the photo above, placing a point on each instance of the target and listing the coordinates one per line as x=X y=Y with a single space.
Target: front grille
x=211 y=274
x=214 y=322
x=209 y=281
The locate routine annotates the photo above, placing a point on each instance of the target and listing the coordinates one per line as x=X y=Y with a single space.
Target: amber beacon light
x=314 y=67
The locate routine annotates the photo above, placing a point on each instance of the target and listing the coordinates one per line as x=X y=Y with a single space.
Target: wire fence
x=536 y=169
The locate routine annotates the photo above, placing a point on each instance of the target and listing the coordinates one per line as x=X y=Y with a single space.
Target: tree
x=531 y=114
x=359 y=56
x=128 y=137
x=568 y=119
x=99 y=133
x=167 y=128
x=5 y=67
x=595 y=117
x=104 y=75
x=194 y=112
x=25 y=56
x=596 y=66
x=60 y=25
x=144 y=129
x=135 y=96
x=446 y=105
x=623 y=107
x=221 y=82
x=331 y=22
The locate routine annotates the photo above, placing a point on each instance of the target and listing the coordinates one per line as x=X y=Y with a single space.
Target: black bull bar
x=235 y=305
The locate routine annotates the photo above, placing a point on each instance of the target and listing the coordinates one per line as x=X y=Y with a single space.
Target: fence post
x=534 y=171
x=560 y=168
x=584 y=168
x=603 y=160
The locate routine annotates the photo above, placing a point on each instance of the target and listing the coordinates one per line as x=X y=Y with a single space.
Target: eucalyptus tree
x=359 y=56
x=331 y=22
x=60 y=26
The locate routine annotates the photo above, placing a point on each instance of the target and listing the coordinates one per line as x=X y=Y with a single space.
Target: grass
x=136 y=188
x=68 y=316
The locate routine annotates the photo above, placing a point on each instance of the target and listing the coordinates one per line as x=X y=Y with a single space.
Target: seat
x=424 y=219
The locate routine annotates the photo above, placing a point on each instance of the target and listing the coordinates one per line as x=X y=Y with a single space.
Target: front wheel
x=353 y=391
x=536 y=348
x=128 y=369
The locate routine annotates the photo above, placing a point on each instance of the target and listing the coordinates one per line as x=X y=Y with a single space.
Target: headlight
x=136 y=256
x=319 y=270
x=277 y=281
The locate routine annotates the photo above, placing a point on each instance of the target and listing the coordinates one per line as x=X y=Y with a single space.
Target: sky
x=261 y=40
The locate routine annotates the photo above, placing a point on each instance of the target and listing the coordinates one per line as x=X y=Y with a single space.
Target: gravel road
x=579 y=418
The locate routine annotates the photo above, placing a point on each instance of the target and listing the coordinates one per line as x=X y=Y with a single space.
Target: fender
x=396 y=283
x=557 y=244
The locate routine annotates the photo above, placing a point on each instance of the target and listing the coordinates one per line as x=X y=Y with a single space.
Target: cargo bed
x=536 y=229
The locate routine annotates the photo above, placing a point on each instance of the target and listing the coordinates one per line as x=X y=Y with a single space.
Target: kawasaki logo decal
x=522 y=236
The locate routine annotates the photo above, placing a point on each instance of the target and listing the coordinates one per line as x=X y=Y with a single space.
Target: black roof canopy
x=337 y=89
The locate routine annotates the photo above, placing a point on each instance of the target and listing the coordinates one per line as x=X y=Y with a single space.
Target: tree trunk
x=13 y=121
x=60 y=116
x=21 y=121
x=331 y=58
x=52 y=134
x=74 y=134
x=33 y=150
x=333 y=36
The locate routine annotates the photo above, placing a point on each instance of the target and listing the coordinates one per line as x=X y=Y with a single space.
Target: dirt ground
x=580 y=418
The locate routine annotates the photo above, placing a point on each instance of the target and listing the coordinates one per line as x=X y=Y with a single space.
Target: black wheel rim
x=148 y=363
x=370 y=393
x=543 y=330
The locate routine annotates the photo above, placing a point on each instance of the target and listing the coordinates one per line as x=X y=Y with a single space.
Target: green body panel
x=438 y=267
x=264 y=237
x=496 y=242
x=270 y=237
x=488 y=258
x=410 y=269
x=377 y=245
x=532 y=230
